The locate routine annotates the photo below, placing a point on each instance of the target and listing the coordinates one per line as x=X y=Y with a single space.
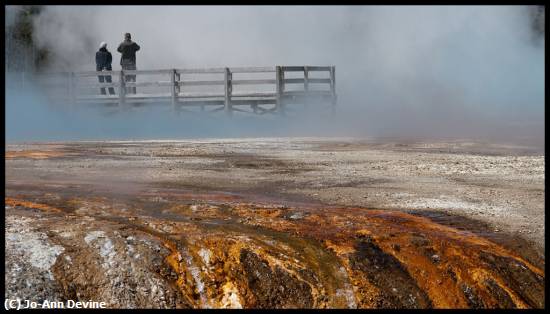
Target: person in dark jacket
x=128 y=49
x=103 y=60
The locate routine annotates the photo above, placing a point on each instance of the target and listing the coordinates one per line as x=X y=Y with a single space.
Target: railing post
x=178 y=87
x=69 y=88
x=228 y=91
x=121 y=90
x=178 y=78
x=333 y=87
x=306 y=85
x=73 y=88
x=306 y=79
x=280 y=87
x=173 y=89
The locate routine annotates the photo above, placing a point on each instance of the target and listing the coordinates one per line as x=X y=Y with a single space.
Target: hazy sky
x=467 y=71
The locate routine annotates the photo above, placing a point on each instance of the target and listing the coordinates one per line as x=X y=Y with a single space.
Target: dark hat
x=127 y=35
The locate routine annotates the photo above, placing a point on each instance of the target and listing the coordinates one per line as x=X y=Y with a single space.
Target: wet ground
x=230 y=223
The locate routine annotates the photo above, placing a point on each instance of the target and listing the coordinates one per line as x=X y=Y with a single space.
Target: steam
x=425 y=71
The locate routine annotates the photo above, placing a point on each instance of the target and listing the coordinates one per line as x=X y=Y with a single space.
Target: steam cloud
x=422 y=71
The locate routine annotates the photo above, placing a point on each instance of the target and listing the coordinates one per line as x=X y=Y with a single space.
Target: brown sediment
x=235 y=254
x=428 y=250
x=511 y=242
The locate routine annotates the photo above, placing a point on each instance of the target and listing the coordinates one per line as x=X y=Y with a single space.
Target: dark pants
x=106 y=79
x=130 y=78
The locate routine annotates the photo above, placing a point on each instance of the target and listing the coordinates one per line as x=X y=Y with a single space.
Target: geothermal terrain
x=276 y=223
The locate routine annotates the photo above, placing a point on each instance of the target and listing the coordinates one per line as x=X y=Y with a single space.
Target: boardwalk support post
x=121 y=90
x=228 y=91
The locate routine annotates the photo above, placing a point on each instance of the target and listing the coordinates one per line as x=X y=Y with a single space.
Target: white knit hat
x=103 y=44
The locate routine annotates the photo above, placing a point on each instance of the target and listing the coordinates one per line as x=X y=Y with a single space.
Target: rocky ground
x=302 y=222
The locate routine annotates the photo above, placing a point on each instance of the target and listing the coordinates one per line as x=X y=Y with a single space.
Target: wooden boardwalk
x=256 y=90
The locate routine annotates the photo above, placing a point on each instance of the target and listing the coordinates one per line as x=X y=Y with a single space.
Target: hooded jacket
x=128 y=50
x=103 y=60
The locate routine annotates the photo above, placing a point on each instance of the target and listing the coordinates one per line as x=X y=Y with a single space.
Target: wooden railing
x=174 y=88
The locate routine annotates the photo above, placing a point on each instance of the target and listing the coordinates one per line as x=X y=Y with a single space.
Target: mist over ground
x=424 y=71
